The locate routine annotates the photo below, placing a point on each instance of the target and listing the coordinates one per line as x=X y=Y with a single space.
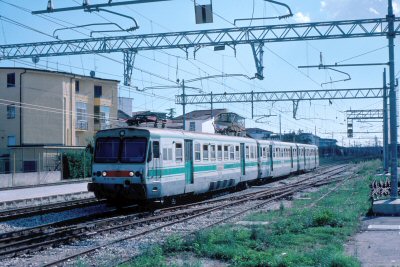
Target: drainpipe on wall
x=20 y=107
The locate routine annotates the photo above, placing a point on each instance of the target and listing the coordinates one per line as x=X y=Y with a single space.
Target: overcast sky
x=154 y=68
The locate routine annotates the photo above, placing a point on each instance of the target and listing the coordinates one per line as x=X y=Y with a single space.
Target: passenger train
x=145 y=164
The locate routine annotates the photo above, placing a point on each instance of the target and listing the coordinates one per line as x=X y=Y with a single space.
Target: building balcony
x=102 y=101
x=81 y=125
x=101 y=126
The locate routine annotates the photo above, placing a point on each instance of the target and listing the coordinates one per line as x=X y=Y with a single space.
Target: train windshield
x=133 y=150
x=107 y=150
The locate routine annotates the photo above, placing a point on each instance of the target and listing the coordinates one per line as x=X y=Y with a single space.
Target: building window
x=81 y=116
x=178 y=152
x=197 y=152
x=98 y=91
x=11 y=111
x=76 y=86
x=11 y=140
x=29 y=166
x=102 y=117
x=192 y=126
x=11 y=80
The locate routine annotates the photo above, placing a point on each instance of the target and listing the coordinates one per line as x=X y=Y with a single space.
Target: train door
x=291 y=157
x=271 y=158
x=242 y=158
x=304 y=154
x=315 y=157
x=189 y=161
x=298 y=157
x=155 y=145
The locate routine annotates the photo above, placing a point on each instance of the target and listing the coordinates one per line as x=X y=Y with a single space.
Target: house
x=258 y=133
x=199 y=120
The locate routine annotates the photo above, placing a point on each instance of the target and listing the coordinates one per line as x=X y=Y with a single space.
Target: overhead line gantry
x=255 y=36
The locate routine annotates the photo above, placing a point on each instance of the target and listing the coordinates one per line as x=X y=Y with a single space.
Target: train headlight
x=98 y=173
x=131 y=174
x=104 y=174
x=138 y=174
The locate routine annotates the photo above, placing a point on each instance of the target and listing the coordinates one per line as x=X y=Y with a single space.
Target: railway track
x=28 y=211
x=28 y=240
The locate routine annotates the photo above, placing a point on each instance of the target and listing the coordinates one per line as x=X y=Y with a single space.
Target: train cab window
x=156 y=149
x=226 y=152
x=212 y=152
x=197 y=152
x=133 y=150
x=205 y=152
x=237 y=153
x=247 y=152
x=178 y=152
x=219 y=152
x=232 y=153
x=107 y=150
x=167 y=154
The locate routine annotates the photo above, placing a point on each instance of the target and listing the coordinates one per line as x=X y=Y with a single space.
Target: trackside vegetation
x=311 y=232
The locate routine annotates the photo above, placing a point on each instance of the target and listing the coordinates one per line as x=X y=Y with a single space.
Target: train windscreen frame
x=133 y=150
x=107 y=150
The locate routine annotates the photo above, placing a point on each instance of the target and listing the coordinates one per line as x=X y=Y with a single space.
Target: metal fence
x=21 y=166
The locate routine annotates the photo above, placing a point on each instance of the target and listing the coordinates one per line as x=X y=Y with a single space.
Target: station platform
x=42 y=191
x=378 y=242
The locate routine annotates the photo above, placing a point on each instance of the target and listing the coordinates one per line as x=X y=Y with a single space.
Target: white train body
x=140 y=164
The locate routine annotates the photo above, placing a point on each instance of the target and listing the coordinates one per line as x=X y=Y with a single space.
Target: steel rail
x=272 y=192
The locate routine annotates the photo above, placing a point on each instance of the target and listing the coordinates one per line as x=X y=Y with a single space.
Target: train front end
x=119 y=165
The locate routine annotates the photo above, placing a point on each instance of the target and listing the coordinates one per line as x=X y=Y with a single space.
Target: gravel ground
x=113 y=254
x=48 y=218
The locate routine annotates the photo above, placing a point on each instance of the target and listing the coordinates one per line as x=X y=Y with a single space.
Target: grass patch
x=296 y=236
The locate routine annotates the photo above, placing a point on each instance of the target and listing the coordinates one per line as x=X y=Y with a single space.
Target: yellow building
x=48 y=108
x=43 y=114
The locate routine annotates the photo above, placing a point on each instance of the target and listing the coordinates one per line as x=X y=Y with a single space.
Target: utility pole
x=280 y=128
x=393 y=112
x=183 y=105
x=385 y=127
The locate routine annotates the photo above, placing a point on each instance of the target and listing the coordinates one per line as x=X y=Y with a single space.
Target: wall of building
x=202 y=126
x=44 y=124
x=10 y=95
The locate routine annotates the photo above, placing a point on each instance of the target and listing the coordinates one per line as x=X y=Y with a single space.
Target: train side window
x=265 y=152
x=232 y=153
x=219 y=152
x=167 y=154
x=156 y=149
x=212 y=152
x=237 y=153
x=178 y=152
x=205 y=152
x=197 y=152
x=247 y=152
x=164 y=154
x=226 y=152
x=252 y=150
